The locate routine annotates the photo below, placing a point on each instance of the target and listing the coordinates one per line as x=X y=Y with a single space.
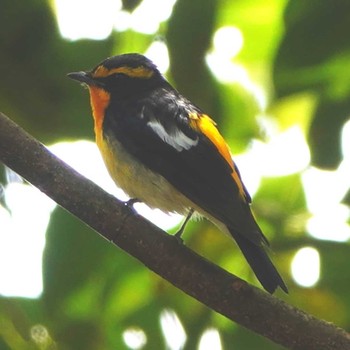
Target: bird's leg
x=179 y=233
x=130 y=203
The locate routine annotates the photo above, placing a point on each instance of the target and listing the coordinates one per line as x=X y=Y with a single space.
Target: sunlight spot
x=306 y=267
x=158 y=53
x=122 y=20
x=250 y=173
x=269 y=125
x=162 y=220
x=330 y=224
x=324 y=191
x=147 y=17
x=284 y=154
x=23 y=227
x=227 y=71
x=94 y=22
x=12 y=177
x=343 y=177
x=228 y=41
x=85 y=158
x=78 y=19
x=135 y=338
x=210 y=340
x=346 y=140
x=22 y=240
x=92 y=167
x=2 y=192
x=174 y=333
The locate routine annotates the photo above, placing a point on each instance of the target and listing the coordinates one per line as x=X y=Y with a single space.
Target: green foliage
x=296 y=51
x=314 y=56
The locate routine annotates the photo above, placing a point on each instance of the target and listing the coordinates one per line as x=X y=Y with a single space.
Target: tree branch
x=206 y=282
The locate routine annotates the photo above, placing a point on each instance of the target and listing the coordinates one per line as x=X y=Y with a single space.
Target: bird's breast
x=138 y=181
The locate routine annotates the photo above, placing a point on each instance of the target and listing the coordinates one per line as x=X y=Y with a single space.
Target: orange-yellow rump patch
x=207 y=126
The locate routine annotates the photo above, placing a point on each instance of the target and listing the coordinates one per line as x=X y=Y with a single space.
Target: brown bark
x=163 y=254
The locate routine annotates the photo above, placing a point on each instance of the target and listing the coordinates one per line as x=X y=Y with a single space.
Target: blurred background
x=274 y=74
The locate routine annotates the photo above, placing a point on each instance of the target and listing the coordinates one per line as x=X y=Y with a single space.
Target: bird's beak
x=84 y=78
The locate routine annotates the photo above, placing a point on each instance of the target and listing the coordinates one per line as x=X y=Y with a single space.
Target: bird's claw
x=130 y=204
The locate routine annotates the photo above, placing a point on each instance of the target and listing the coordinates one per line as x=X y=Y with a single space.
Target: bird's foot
x=179 y=233
x=130 y=204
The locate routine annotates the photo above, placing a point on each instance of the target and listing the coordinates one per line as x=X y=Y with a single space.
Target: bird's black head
x=123 y=75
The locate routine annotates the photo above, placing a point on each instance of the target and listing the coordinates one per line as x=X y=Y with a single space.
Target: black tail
x=260 y=263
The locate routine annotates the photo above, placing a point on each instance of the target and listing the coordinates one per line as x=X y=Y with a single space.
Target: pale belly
x=138 y=182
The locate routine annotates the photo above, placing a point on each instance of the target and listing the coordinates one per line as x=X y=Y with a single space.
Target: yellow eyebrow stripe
x=133 y=72
x=207 y=126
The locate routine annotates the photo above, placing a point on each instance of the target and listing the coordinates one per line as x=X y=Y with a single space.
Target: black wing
x=157 y=132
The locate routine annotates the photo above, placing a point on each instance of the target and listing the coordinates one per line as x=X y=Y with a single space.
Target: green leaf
x=130 y=5
x=280 y=206
x=34 y=63
x=314 y=37
x=325 y=133
x=72 y=256
x=189 y=38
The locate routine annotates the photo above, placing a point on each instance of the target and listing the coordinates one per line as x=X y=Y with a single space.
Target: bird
x=163 y=150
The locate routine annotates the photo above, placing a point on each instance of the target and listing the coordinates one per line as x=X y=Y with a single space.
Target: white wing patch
x=178 y=140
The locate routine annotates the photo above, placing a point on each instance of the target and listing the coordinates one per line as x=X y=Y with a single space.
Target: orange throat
x=99 y=100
